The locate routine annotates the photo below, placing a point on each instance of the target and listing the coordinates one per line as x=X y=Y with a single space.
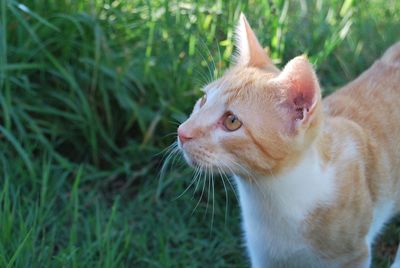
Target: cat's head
x=255 y=117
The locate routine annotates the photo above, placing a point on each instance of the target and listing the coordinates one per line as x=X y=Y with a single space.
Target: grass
x=90 y=92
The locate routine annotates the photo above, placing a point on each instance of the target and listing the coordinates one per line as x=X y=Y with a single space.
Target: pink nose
x=183 y=136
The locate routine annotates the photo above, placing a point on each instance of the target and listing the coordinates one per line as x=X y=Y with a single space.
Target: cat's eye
x=231 y=122
x=203 y=100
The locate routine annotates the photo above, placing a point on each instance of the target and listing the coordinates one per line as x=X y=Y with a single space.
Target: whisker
x=187 y=188
x=219 y=71
x=226 y=193
x=208 y=191
x=210 y=71
x=176 y=155
x=212 y=59
x=168 y=149
x=170 y=153
x=230 y=183
x=252 y=179
x=213 y=201
x=197 y=175
x=201 y=78
x=176 y=122
x=244 y=169
x=213 y=65
x=272 y=174
x=202 y=191
x=170 y=134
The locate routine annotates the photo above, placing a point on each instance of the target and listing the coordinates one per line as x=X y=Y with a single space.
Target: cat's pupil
x=233 y=118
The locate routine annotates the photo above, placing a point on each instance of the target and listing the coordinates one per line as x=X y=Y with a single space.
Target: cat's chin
x=191 y=162
x=190 y=159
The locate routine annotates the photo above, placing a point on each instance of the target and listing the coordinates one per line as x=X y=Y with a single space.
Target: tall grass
x=90 y=93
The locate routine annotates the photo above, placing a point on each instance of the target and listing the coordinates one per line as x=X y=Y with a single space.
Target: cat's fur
x=317 y=179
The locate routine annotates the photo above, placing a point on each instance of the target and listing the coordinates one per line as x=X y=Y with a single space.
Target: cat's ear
x=249 y=50
x=301 y=91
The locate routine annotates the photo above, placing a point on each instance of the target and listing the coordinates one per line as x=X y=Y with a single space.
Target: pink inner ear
x=303 y=87
x=300 y=92
x=301 y=97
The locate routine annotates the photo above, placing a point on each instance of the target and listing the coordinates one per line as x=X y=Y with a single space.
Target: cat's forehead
x=239 y=84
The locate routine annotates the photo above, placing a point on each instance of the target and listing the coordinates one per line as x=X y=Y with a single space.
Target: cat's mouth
x=194 y=159
x=198 y=158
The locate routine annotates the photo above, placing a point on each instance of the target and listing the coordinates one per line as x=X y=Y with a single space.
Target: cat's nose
x=183 y=136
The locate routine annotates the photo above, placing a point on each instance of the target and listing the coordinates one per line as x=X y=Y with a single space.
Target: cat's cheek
x=190 y=155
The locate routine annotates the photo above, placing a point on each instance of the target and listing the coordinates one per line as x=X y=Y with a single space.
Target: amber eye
x=203 y=100
x=231 y=122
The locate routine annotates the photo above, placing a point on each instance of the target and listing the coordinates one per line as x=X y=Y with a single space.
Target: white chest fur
x=274 y=209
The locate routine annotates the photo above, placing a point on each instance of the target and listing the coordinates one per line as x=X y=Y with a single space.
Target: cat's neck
x=293 y=192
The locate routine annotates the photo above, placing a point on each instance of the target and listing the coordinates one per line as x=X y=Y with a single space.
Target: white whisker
x=202 y=191
x=209 y=186
x=168 y=150
x=213 y=201
x=171 y=152
x=252 y=178
x=187 y=188
x=226 y=192
x=196 y=175
x=230 y=183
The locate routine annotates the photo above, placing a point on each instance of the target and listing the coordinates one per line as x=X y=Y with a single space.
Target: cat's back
x=372 y=99
x=373 y=102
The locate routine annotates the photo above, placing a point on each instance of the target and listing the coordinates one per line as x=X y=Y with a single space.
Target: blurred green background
x=91 y=93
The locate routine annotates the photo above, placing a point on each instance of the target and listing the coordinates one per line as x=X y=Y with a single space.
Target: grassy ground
x=90 y=92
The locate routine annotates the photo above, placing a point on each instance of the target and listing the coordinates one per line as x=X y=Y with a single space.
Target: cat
x=317 y=179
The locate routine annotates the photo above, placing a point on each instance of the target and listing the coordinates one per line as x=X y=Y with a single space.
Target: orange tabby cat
x=317 y=179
